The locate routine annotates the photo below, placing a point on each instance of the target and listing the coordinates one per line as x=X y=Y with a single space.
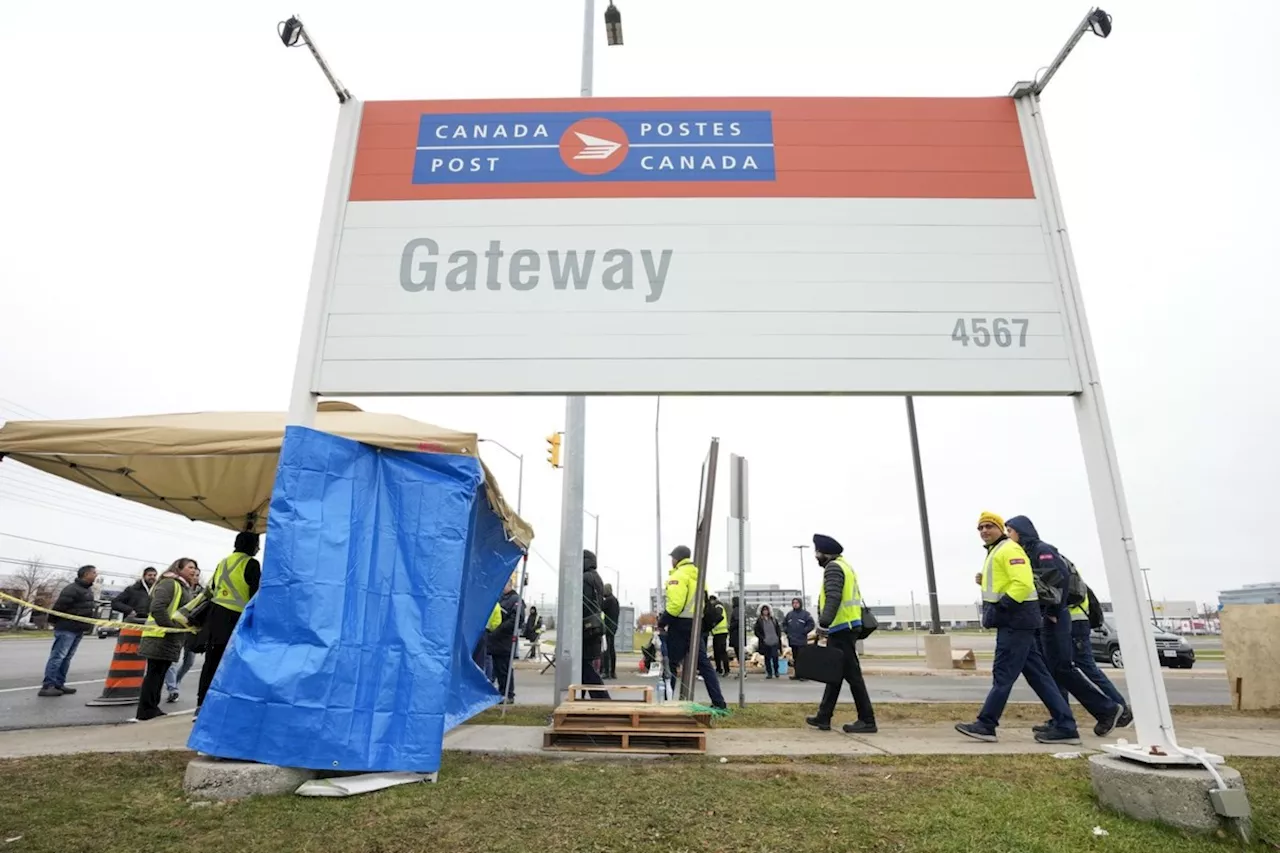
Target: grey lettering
x=618 y=276
x=523 y=269
x=560 y=274
x=427 y=268
x=657 y=277
x=522 y=262
x=463 y=276
x=493 y=255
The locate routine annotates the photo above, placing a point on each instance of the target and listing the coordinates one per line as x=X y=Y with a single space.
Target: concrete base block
x=214 y=779
x=1178 y=796
x=937 y=651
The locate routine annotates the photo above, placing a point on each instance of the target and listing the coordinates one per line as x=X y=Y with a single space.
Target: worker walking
x=1011 y=605
x=719 y=635
x=677 y=618
x=234 y=582
x=1083 y=618
x=1055 y=630
x=840 y=619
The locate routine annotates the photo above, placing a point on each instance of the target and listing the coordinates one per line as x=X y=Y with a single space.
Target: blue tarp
x=380 y=570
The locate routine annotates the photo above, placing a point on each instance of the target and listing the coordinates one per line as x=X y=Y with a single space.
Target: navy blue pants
x=1082 y=657
x=1056 y=638
x=1017 y=653
x=679 y=636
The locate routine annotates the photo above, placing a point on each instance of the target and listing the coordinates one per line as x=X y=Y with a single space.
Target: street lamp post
x=595 y=518
x=804 y=596
x=1151 y=602
x=935 y=616
x=569 y=663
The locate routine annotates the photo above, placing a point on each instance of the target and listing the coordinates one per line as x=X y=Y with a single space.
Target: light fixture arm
x=291 y=32
x=1096 y=21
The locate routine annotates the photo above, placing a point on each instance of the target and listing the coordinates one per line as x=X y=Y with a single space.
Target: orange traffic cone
x=124 y=676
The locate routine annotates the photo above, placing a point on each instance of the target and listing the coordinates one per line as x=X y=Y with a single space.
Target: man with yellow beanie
x=1011 y=605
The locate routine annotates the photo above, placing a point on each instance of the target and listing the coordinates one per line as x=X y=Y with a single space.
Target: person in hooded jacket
x=1011 y=606
x=612 y=609
x=797 y=625
x=1048 y=566
x=500 y=637
x=135 y=599
x=593 y=629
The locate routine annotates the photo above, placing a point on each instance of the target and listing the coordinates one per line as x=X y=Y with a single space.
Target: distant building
x=1251 y=593
x=775 y=595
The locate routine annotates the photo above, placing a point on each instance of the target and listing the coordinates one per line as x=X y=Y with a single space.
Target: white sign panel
x=693 y=246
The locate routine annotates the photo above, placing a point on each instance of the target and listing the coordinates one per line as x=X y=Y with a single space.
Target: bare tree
x=28 y=583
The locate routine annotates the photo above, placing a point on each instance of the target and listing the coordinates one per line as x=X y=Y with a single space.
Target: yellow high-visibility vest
x=850 y=611
x=229 y=587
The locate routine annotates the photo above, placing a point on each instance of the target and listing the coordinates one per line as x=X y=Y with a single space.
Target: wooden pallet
x=627 y=716
x=582 y=692
x=664 y=743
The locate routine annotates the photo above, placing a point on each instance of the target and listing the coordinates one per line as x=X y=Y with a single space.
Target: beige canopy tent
x=217 y=467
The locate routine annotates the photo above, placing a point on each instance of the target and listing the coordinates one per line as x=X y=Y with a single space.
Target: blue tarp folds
x=380 y=570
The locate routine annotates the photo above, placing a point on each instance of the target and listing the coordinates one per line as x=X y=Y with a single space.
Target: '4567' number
x=982 y=331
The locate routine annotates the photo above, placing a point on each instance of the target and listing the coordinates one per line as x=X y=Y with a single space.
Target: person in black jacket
x=1051 y=572
x=612 y=609
x=500 y=639
x=734 y=615
x=75 y=599
x=592 y=624
x=135 y=599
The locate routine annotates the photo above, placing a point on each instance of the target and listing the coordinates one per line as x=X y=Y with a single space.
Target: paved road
x=904 y=642
x=22 y=663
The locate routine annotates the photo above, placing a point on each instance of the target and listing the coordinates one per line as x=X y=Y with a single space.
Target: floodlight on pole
x=613 y=25
x=1097 y=22
x=293 y=31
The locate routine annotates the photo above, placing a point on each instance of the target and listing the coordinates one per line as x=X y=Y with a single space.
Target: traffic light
x=553 y=449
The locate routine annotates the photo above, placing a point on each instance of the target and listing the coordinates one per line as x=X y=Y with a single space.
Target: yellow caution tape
x=97 y=623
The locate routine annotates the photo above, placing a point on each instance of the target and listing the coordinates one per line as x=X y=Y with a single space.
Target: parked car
x=1172 y=650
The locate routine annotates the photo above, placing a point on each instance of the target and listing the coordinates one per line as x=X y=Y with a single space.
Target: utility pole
x=804 y=596
x=934 y=614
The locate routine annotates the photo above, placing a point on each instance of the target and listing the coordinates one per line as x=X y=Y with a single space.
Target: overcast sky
x=163 y=172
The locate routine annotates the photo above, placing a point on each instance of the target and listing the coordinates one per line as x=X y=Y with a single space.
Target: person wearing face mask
x=840 y=618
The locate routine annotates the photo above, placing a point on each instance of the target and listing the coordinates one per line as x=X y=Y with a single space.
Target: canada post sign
x=560 y=147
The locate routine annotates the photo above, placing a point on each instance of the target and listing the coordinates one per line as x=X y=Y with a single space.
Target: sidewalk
x=1225 y=736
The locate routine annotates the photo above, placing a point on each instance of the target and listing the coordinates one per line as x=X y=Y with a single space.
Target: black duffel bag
x=818 y=663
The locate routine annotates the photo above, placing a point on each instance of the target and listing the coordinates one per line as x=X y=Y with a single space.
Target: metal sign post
x=739 y=537
x=701 y=547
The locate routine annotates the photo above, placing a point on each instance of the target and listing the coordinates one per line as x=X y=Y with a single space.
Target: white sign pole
x=302 y=399
x=1154 y=723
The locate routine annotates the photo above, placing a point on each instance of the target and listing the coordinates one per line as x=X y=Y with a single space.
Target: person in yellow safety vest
x=682 y=600
x=162 y=648
x=1011 y=605
x=500 y=635
x=1082 y=650
x=720 y=637
x=840 y=619
x=234 y=582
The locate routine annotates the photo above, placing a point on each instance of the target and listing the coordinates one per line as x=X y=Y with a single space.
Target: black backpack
x=712 y=613
x=1096 y=616
x=1076 y=589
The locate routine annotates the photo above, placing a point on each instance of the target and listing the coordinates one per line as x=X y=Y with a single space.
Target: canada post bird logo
x=594 y=146
x=565 y=147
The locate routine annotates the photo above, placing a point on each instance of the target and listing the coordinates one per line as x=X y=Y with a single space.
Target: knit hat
x=987 y=515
